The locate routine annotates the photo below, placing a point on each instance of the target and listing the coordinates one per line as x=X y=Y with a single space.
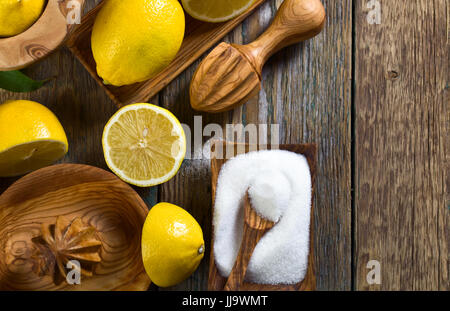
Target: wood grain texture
x=307 y=92
x=401 y=145
x=401 y=113
x=224 y=80
x=294 y=22
x=199 y=37
x=215 y=280
x=99 y=199
x=254 y=229
x=231 y=74
x=38 y=41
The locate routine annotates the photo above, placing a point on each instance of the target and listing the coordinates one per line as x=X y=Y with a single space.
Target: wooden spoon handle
x=254 y=229
x=237 y=275
x=295 y=21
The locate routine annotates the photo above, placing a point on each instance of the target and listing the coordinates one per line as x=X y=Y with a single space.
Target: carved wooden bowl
x=105 y=217
x=42 y=38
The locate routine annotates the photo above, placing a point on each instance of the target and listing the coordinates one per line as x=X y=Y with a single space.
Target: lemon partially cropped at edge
x=31 y=137
x=216 y=11
x=134 y=40
x=172 y=244
x=16 y=16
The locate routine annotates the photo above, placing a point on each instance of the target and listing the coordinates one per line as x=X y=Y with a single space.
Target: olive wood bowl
x=112 y=211
x=43 y=37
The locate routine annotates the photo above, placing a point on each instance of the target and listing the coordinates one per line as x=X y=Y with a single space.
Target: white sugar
x=279 y=184
x=269 y=193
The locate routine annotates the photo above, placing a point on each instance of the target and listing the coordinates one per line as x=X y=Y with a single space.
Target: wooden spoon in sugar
x=254 y=229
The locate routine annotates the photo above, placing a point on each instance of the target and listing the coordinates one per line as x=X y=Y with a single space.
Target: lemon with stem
x=172 y=244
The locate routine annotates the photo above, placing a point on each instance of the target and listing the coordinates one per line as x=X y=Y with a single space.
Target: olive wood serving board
x=96 y=196
x=215 y=281
x=199 y=38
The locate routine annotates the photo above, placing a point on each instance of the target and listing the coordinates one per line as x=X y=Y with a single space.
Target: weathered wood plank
x=307 y=92
x=401 y=181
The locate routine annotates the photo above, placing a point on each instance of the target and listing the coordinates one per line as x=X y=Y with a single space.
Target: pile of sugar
x=279 y=184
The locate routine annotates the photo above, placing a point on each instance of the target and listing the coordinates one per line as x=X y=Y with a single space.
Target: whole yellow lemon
x=134 y=40
x=16 y=16
x=172 y=244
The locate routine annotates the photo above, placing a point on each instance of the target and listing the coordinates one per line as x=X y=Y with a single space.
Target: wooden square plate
x=215 y=281
x=199 y=38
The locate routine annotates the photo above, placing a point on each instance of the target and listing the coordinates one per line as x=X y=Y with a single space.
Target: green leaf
x=16 y=81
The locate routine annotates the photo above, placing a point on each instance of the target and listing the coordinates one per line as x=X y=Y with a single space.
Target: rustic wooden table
x=374 y=97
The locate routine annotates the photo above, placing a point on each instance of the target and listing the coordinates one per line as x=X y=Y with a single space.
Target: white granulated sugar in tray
x=279 y=185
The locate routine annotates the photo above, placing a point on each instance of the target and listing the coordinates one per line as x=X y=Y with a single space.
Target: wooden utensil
x=254 y=229
x=199 y=38
x=216 y=282
x=50 y=215
x=231 y=74
x=43 y=37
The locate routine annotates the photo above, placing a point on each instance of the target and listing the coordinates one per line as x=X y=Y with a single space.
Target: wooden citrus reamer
x=71 y=212
x=231 y=74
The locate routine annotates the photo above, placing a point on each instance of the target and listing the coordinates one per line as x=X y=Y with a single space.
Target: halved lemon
x=31 y=137
x=216 y=11
x=144 y=144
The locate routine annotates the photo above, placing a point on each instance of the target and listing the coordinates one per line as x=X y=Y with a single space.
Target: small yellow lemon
x=134 y=40
x=16 y=16
x=31 y=137
x=172 y=244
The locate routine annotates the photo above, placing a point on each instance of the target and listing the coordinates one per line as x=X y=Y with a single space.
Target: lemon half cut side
x=144 y=144
x=31 y=137
x=30 y=156
x=216 y=11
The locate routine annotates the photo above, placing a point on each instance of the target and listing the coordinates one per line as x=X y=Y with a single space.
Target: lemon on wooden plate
x=31 y=137
x=134 y=40
x=144 y=144
x=172 y=244
x=16 y=16
x=216 y=11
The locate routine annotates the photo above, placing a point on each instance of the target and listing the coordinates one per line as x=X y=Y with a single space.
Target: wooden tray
x=215 y=281
x=100 y=199
x=199 y=38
